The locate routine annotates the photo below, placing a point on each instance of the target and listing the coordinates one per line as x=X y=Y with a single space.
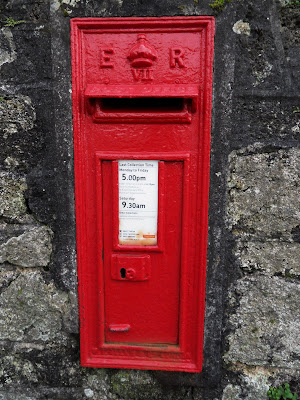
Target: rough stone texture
x=266 y=325
x=15 y=396
x=263 y=213
x=33 y=311
x=96 y=384
x=12 y=201
x=252 y=387
x=270 y=257
x=254 y=382
x=31 y=249
x=131 y=385
x=16 y=113
x=263 y=216
x=264 y=196
x=241 y=28
x=258 y=119
x=28 y=366
x=231 y=392
x=7 y=275
x=7 y=47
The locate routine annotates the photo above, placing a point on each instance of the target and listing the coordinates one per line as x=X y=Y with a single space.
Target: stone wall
x=252 y=323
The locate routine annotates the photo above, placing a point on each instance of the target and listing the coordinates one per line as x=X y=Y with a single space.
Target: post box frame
x=188 y=354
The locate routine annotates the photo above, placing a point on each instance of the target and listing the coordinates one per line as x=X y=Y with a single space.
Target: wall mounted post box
x=141 y=105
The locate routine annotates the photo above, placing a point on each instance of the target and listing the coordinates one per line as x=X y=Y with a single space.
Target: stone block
x=253 y=386
x=265 y=329
x=270 y=257
x=96 y=384
x=15 y=396
x=135 y=384
x=253 y=383
x=16 y=113
x=32 y=311
x=7 y=275
x=141 y=385
x=7 y=46
x=12 y=201
x=264 y=196
x=31 y=249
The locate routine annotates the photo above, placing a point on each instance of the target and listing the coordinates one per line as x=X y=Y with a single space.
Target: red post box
x=141 y=103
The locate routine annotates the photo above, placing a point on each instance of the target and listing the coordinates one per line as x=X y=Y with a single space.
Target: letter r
x=176 y=57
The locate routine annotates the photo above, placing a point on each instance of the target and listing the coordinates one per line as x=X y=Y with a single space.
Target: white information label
x=138 y=202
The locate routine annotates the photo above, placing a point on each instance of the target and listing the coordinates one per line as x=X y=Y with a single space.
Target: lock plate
x=130 y=268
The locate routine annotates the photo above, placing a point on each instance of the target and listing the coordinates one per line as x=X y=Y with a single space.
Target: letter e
x=105 y=58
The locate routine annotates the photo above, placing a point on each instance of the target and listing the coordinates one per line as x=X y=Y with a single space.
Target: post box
x=142 y=106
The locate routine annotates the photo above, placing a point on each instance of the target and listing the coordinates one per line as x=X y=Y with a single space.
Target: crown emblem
x=142 y=54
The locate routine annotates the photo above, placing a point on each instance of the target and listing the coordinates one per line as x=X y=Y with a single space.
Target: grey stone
x=9 y=229
x=258 y=118
x=252 y=386
x=141 y=385
x=7 y=46
x=31 y=310
x=264 y=196
x=42 y=393
x=290 y=32
x=96 y=385
x=25 y=367
x=266 y=324
x=89 y=393
x=255 y=386
x=270 y=257
x=16 y=113
x=231 y=392
x=286 y=375
x=12 y=201
x=135 y=385
x=56 y=4
x=31 y=249
x=70 y=316
x=241 y=28
x=252 y=383
x=11 y=163
x=15 y=396
x=261 y=73
x=21 y=368
x=6 y=277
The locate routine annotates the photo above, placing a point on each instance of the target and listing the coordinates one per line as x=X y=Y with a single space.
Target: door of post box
x=141 y=102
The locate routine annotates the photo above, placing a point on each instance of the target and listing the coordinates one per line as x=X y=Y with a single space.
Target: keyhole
x=123 y=272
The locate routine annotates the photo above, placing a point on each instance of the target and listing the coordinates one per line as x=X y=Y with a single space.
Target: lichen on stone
x=271 y=257
x=12 y=200
x=241 y=28
x=8 y=52
x=264 y=196
x=265 y=329
x=33 y=311
x=31 y=249
x=16 y=113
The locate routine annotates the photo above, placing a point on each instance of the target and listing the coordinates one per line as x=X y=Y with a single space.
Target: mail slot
x=141 y=112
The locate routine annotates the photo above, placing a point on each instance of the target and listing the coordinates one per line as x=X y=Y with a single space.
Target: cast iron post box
x=141 y=105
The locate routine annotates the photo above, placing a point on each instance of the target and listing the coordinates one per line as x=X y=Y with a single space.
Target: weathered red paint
x=142 y=91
